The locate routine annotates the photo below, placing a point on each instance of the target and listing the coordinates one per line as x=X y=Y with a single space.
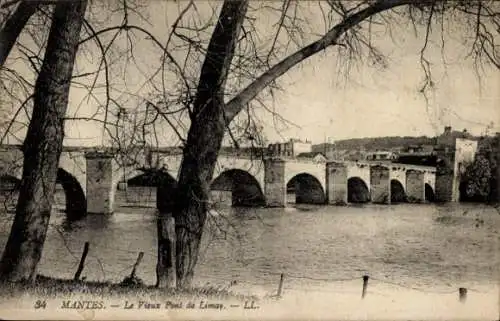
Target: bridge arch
x=357 y=190
x=398 y=194
x=307 y=189
x=151 y=178
x=125 y=176
x=244 y=188
x=76 y=203
x=147 y=186
x=74 y=196
x=429 y=193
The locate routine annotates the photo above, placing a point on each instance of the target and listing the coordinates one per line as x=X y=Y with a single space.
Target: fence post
x=365 y=285
x=136 y=265
x=462 y=294
x=280 y=287
x=82 y=262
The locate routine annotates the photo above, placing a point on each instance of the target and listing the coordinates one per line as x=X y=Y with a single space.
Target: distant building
x=447 y=139
x=427 y=155
x=381 y=156
x=354 y=155
x=411 y=149
x=291 y=148
x=316 y=157
x=417 y=155
x=329 y=150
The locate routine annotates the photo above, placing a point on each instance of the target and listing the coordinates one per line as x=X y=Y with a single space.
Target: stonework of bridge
x=90 y=179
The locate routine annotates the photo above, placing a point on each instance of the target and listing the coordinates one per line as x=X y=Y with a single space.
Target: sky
x=388 y=103
x=322 y=102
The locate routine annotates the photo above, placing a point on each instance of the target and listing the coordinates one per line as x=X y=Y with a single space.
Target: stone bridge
x=91 y=177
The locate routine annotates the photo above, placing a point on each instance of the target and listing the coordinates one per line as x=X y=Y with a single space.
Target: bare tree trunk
x=43 y=145
x=13 y=27
x=234 y=106
x=165 y=267
x=204 y=140
x=200 y=155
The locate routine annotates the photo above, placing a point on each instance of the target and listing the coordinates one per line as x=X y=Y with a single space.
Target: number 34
x=40 y=304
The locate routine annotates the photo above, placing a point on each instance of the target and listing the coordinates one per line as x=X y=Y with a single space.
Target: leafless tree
x=43 y=145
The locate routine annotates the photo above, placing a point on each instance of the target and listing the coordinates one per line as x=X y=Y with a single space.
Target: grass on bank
x=49 y=287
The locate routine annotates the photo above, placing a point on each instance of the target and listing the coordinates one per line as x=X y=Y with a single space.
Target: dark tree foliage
x=480 y=181
x=476 y=183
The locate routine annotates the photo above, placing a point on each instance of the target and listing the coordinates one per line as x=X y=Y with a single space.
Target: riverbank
x=88 y=300
x=417 y=258
x=49 y=287
x=49 y=297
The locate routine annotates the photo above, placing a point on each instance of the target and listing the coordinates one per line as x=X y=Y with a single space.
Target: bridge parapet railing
x=300 y=160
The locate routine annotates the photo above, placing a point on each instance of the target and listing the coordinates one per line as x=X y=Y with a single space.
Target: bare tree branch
x=13 y=27
x=329 y=39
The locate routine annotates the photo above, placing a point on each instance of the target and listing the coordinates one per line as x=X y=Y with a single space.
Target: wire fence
x=273 y=282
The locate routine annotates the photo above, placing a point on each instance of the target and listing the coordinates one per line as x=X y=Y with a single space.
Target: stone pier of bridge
x=331 y=179
x=100 y=182
x=336 y=183
x=380 y=189
x=92 y=178
x=274 y=183
x=415 y=185
x=378 y=179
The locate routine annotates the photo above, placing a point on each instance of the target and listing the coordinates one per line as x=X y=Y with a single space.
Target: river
x=426 y=247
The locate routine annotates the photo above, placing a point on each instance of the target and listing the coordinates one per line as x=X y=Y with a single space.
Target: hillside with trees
x=373 y=143
x=393 y=142
x=387 y=142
